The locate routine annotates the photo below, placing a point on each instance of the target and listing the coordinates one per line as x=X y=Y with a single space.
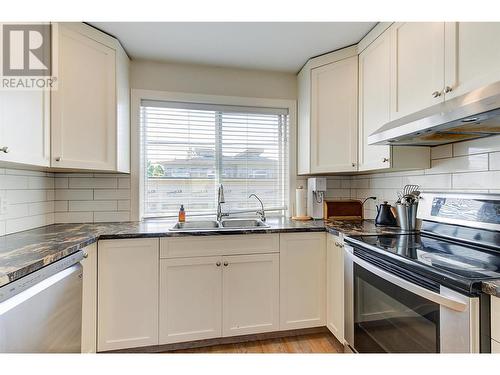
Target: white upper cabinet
x=418 y=61
x=375 y=70
x=472 y=56
x=90 y=120
x=327 y=113
x=25 y=127
x=374 y=101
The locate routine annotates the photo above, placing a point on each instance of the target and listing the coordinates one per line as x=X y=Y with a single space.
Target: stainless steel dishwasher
x=42 y=312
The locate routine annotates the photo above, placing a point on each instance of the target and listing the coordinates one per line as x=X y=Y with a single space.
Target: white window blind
x=189 y=149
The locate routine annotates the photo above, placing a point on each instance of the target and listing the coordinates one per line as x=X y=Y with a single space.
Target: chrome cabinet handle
x=5 y=149
x=448 y=89
x=217 y=264
x=58 y=158
x=85 y=255
x=436 y=94
x=226 y=264
x=385 y=160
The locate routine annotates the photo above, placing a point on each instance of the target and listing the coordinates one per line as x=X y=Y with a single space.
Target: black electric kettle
x=385 y=217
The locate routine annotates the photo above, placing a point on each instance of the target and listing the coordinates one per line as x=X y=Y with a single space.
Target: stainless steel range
x=421 y=292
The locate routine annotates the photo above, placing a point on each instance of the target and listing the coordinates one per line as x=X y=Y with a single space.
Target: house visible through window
x=188 y=150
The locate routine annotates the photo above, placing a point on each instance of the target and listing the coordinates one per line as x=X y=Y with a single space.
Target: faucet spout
x=220 y=200
x=260 y=212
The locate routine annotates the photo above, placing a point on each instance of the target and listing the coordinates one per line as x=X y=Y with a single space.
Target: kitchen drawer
x=495 y=318
x=182 y=247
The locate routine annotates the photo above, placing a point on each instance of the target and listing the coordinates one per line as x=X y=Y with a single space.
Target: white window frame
x=136 y=167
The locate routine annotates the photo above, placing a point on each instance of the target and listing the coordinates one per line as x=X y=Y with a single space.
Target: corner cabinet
x=375 y=93
x=90 y=107
x=327 y=113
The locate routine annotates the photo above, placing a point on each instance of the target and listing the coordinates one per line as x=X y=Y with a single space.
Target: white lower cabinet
x=250 y=294
x=89 y=300
x=302 y=280
x=190 y=299
x=127 y=293
x=335 y=286
x=214 y=296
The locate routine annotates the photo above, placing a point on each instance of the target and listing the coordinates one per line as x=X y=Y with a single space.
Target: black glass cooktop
x=441 y=255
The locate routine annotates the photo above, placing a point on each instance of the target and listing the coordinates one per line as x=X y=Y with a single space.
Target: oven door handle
x=411 y=287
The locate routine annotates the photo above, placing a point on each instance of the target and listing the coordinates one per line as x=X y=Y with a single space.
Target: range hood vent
x=470 y=116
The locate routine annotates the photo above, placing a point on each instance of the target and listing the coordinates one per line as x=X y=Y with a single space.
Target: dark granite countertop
x=25 y=252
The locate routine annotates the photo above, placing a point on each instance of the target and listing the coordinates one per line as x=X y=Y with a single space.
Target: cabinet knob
x=58 y=158
x=226 y=264
x=385 y=160
x=5 y=149
x=436 y=94
x=353 y=164
x=448 y=89
x=217 y=264
x=85 y=255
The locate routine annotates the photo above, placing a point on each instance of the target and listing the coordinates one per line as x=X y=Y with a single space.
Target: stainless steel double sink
x=234 y=224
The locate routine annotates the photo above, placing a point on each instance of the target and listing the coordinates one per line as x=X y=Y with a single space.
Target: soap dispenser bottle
x=182 y=214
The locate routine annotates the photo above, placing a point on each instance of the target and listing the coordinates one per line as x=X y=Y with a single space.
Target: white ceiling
x=253 y=45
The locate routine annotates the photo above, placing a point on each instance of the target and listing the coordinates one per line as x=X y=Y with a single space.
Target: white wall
x=202 y=79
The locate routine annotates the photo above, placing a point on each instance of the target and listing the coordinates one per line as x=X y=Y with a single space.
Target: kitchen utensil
x=385 y=216
x=407 y=216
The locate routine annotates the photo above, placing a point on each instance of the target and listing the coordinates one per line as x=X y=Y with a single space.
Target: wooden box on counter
x=347 y=209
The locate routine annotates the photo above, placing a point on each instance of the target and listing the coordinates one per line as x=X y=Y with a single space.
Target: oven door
x=389 y=313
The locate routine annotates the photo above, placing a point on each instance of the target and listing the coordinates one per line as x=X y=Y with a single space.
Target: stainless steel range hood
x=470 y=116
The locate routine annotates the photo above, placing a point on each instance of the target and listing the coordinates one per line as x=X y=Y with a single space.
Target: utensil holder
x=407 y=216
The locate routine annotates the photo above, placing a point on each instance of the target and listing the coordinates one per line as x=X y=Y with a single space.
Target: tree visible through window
x=189 y=149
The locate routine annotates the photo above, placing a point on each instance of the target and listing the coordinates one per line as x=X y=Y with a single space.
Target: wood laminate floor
x=312 y=343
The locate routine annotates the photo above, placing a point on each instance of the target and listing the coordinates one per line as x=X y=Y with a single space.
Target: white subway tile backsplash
x=61 y=182
x=93 y=206
x=36 y=198
x=74 y=217
x=468 y=163
x=111 y=216
x=74 y=194
x=93 y=182
x=495 y=161
x=427 y=182
x=106 y=194
x=60 y=206
x=477 y=146
x=479 y=180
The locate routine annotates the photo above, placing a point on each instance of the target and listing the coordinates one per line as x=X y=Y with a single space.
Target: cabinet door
x=374 y=101
x=84 y=105
x=302 y=280
x=417 y=67
x=190 y=299
x=334 y=116
x=127 y=293
x=89 y=300
x=335 y=286
x=472 y=56
x=250 y=294
x=304 y=121
x=25 y=126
